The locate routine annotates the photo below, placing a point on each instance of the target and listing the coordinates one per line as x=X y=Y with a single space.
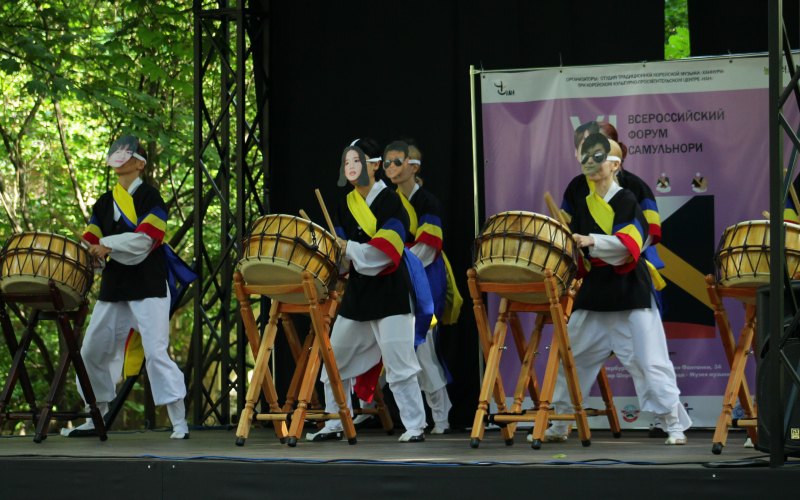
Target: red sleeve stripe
x=387 y=248
x=91 y=238
x=430 y=240
x=152 y=232
x=633 y=248
x=655 y=233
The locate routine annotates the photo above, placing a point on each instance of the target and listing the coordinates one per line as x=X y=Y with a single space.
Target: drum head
x=281 y=247
x=516 y=248
x=39 y=285
x=502 y=272
x=278 y=272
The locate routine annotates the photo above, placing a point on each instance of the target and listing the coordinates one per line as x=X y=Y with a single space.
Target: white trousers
x=432 y=380
x=104 y=345
x=359 y=345
x=637 y=339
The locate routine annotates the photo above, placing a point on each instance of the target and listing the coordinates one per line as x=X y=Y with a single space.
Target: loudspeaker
x=788 y=389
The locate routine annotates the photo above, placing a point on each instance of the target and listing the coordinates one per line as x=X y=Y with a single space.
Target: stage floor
x=634 y=448
x=210 y=465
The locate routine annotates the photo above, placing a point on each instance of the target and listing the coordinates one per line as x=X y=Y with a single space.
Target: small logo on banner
x=795 y=433
x=502 y=90
x=630 y=413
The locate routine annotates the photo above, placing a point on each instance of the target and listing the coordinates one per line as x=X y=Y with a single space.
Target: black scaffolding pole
x=231 y=189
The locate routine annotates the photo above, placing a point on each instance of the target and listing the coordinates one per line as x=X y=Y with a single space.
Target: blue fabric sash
x=651 y=254
x=179 y=274
x=423 y=306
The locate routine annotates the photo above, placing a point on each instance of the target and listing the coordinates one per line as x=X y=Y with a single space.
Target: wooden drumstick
x=765 y=214
x=556 y=212
x=304 y=215
x=325 y=212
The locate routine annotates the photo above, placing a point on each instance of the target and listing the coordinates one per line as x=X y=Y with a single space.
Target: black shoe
x=657 y=432
x=324 y=436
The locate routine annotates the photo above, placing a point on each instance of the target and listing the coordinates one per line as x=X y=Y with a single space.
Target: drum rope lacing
x=553 y=241
x=273 y=232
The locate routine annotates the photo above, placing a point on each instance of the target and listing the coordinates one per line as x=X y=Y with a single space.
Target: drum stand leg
x=527 y=375
x=492 y=375
x=321 y=321
x=300 y=355
x=70 y=333
x=382 y=411
x=69 y=326
x=736 y=353
x=560 y=349
x=608 y=399
x=17 y=370
x=261 y=380
x=527 y=355
x=308 y=380
x=491 y=345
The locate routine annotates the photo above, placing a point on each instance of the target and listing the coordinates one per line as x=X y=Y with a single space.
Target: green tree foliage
x=74 y=75
x=676 y=29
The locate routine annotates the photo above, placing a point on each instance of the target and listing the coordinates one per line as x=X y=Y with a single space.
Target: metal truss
x=230 y=190
x=781 y=372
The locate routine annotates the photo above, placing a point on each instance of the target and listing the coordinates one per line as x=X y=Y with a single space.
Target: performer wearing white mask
x=615 y=309
x=125 y=235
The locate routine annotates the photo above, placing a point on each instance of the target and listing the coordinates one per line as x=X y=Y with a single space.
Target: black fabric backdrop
x=343 y=70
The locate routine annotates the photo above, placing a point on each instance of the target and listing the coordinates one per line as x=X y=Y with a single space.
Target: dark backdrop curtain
x=343 y=70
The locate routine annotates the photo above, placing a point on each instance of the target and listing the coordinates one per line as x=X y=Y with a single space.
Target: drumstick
x=304 y=215
x=765 y=214
x=559 y=214
x=325 y=212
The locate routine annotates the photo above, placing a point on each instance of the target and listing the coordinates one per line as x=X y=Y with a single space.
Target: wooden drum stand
x=736 y=352
x=317 y=348
x=555 y=312
x=70 y=324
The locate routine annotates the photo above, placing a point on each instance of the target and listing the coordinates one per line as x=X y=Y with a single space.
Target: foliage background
x=74 y=75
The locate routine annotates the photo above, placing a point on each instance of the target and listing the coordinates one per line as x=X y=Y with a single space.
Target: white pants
x=432 y=380
x=359 y=345
x=104 y=345
x=637 y=339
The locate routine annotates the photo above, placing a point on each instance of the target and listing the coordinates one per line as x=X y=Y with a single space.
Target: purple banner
x=696 y=132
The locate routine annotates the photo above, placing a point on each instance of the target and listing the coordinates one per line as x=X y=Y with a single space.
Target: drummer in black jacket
x=376 y=319
x=125 y=235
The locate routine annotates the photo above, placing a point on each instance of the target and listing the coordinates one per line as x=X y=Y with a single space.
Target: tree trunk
x=68 y=160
